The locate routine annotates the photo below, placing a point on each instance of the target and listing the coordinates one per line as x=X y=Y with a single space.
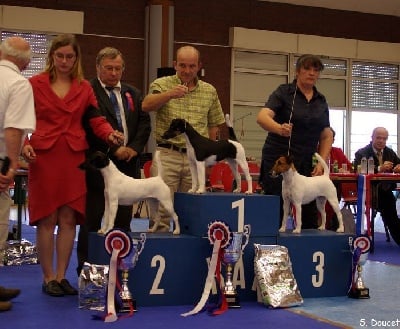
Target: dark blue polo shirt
x=309 y=118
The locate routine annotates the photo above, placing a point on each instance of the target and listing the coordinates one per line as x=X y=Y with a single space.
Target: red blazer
x=56 y=117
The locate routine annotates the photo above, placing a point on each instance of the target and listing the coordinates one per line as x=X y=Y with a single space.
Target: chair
x=146 y=168
x=220 y=178
x=349 y=196
x=254 y=170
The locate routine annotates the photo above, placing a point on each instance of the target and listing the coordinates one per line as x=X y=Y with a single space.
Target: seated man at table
x=386 y=161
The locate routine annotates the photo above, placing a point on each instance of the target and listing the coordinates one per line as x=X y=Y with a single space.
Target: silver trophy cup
x=128 y=303
x=231 y=255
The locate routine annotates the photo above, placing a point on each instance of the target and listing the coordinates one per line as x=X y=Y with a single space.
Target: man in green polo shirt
x=184 y=96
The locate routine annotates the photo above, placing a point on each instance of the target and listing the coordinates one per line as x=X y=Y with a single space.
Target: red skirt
x=54 y=180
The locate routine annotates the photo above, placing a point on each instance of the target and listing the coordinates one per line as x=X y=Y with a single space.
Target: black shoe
x=8 y=293
x=53 y=288
x=5 y=306
x=67 y=288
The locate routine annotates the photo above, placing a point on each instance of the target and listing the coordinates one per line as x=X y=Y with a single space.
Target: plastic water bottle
x=364 y=166
x=371 y=165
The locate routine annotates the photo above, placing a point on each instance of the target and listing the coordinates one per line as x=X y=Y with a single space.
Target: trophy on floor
x=127 y=263
x=124 y=252
x=360 y=248
x=230 y=257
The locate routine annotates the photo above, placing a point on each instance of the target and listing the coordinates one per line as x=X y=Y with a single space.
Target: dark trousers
x=387 y=208
x=386 y=203
x=94 y=214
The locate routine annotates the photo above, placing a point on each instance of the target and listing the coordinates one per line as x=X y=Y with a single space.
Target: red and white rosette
x=220 y=237
x=219 y=231
x=118 y=244
x=363 y=242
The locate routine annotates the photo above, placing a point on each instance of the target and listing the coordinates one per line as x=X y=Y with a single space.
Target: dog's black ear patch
x=100 y=160
x=99 y=154
x=83 y=166
x=96 y=160
x=289 y=159
x=176 y=127
x=178 y=124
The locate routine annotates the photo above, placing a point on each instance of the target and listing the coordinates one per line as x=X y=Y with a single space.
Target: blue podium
x=196 y=211
x=321 y=261
x=172 y=270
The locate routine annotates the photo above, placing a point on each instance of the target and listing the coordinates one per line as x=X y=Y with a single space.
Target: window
x=255 y=76
x=374 y=102
x=361 y=96
x=375 y=86
x=337 y=118
x=39 y=45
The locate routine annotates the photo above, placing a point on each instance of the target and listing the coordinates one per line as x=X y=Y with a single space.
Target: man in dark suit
x=385 y=161
x=121 y=104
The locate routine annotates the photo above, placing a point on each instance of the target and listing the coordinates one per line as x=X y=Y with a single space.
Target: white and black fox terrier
x=202 y=152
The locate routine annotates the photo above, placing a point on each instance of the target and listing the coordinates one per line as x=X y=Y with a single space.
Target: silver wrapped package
x=274 y=276
x=93 y=281
x=20 y=252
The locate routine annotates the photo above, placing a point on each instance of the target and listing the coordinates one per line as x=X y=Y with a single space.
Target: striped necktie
x=379 y=156
x=114 y=102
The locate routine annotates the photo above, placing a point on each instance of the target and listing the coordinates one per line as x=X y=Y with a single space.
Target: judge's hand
x=387 y=166
x=116 y=138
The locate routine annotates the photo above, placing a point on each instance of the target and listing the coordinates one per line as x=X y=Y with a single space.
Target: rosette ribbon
x=360 y=249
x=219 y=236
x=119 y=245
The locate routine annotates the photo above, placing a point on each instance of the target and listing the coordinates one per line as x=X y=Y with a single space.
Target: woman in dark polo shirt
x=296 y=117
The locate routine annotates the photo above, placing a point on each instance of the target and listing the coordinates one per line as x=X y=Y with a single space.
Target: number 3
x=318 y=279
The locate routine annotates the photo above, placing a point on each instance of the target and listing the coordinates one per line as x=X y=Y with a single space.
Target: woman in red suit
x=338 y=155
x=56 y=185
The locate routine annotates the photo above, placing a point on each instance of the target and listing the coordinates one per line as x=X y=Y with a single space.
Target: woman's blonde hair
x=59 y=41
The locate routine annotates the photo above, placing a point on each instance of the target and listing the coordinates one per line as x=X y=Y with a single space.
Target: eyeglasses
x=117 y=69
x=67 y=57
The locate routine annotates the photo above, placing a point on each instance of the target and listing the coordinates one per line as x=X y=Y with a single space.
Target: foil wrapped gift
x=20 y=252
x=93 y=281
x=275 y=278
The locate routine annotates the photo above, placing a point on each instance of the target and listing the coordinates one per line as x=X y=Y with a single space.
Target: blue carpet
x=33 y=309
x=387 y=252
